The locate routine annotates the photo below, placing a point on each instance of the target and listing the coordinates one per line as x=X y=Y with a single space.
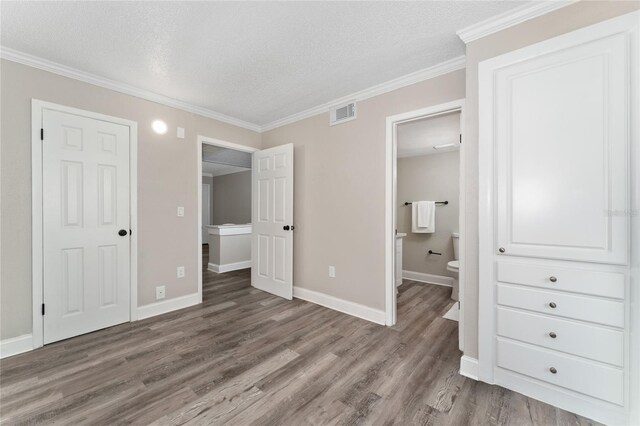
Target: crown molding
x=407 y=80
x=510 y=18
x=63 y=70
x=76 y=74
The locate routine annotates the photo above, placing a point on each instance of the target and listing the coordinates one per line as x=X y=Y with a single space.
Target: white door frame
x=204 y=140
x=391 y=157
x=37 y=256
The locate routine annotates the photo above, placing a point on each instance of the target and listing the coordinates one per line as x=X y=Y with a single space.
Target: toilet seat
x=453 y=266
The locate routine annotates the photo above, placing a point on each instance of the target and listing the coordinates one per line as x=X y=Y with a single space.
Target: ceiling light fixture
x=444 y=146
x=159 y=126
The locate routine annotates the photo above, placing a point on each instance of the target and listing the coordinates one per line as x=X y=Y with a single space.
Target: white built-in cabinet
x=557 y=137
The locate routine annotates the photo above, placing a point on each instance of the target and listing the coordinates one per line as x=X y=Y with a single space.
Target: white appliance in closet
x=558 y=260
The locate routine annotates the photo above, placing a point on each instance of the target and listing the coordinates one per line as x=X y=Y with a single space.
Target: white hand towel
x=423 y=217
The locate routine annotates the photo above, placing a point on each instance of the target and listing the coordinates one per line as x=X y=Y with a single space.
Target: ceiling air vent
x=342 y=113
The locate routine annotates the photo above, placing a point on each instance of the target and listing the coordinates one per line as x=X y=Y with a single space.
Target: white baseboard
x=341 y=305
x=469 y=367
x=428 y=278
x=227 y=267
x=16 y=345
x=170 y=305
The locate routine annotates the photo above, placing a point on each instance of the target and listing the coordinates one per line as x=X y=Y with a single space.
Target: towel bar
x=406 y=203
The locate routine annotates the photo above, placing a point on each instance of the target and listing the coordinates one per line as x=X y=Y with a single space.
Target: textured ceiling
x=418 y=137
x=215 y=169
x=255 y=61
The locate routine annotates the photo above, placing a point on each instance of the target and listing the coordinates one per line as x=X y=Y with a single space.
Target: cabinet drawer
x=589 y=341
x=607 y=312
x=587 y=377
x=597 y=283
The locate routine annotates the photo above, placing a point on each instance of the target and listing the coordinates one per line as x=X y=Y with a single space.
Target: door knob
x=122 y=232
x=293 y=227
x=501 y=250
x=553 y=279
x=553 y=370
x=553 y=335
x=552 y=305
x=286 y=227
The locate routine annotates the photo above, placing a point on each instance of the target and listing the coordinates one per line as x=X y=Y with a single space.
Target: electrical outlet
x=332 y=271
x=180 y=211
x=160 y=292
x=180 y=271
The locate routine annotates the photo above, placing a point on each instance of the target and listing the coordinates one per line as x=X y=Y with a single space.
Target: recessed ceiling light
x=159 y=126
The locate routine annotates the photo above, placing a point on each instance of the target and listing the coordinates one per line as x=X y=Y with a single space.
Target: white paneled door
x=272 y=211
x=86 y=224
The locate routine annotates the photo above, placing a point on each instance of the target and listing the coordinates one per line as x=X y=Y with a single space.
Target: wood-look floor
x=246 y=357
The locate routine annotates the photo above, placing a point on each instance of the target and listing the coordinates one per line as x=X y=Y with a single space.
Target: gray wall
x=231 y=198
x=208 y=180
x=167 y=178
x=429 y=177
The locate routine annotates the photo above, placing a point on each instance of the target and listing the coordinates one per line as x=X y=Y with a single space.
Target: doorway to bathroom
x=424 y=232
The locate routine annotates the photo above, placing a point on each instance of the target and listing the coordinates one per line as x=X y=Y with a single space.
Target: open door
x=272 y=217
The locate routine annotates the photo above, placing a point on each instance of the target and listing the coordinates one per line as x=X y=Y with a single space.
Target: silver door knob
x=553 y=279
x=501 y=250
x=553 y=370
x=552 y=305
x=553 y=335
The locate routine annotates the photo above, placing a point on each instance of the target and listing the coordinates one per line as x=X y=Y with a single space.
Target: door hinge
x=459 y=306
x=460 y=137
x=41 y=134
x=43 y=309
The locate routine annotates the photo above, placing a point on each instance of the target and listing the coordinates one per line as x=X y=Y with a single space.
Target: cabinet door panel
x=562 y=142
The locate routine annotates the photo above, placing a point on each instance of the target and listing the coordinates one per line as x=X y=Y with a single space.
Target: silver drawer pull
x=553 y=279
x=552 y=305
x=553 y=335
x=553 y=370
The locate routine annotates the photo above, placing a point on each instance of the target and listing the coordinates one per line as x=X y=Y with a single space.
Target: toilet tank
x=456 y=238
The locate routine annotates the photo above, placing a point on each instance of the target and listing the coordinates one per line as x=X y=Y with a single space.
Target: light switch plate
x=160 y=292
x=180 y=211
x=180 y=271
x=332 y=271
x=180 y=133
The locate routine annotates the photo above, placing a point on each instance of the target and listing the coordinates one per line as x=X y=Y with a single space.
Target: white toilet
x=454 y=265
